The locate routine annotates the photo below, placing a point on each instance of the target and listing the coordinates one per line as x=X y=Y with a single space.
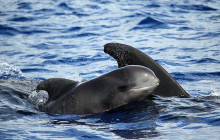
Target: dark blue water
x=54 y=38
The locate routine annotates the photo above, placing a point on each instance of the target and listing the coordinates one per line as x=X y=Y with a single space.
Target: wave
x=24 y=5
x=65 y=6
x=81 y=61
x=75 y=11
x=184 y=28
x=150 y=20
x=10 y=31
x=72 y=29
x=41 y=46
x=194 y=76
x=49 y=56
x=205 y=60
x=28 y=70
x=8 y=71
x=22 y=19
x=197 y=36
x=43 y=11
x=86 y=34
x=150 y=23
x=79 y=14
x=6 y=30
x=153 y=6
x=193 y=7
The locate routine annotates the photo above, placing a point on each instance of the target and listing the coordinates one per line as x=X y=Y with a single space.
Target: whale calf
x=116 y=88
x=128 y=55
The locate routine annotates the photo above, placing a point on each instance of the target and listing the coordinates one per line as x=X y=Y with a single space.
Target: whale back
x=56 y=87
x=127 y=55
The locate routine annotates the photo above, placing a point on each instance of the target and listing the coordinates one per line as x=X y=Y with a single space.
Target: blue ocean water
x=64 y=38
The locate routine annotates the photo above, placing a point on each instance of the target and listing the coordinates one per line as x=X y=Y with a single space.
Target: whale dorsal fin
x=128 y=55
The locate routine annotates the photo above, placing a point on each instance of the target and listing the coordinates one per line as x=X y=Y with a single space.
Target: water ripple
x=79 y=35
x=42 y=46
x=193 y=7
x=73 y=29
x=195 y=76
x=28 y=70
x=5 y=30
x=153 y=6
x=150 y=20
x=10 y=31
x=150 y=23
x=22 y=19
x=205 y=60
x=65 y=6
x=57 y=38
x=24 y=5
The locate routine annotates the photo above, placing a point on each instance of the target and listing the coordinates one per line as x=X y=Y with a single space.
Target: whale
x=128 y=55
x=116 y=88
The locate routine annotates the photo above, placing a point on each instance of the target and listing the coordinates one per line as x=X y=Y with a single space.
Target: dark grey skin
x=127 y=55
x=116 y=88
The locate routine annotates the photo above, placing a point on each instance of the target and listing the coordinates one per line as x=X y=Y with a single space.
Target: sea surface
x=65 y=38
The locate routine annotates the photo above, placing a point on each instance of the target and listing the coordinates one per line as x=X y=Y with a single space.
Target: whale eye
x=123 y=88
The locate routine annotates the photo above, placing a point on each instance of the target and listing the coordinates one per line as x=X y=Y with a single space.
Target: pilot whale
x=128 y=55
x=116 y=88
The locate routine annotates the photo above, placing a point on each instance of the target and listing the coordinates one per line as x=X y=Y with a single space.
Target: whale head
x=127 y=84
x=137 y=83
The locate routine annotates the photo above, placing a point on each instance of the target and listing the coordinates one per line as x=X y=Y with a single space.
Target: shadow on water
x=138 y=119
x=132 y=121
x=143 y=118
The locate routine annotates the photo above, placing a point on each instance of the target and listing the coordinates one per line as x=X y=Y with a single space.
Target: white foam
x=38 y=97
x=7 y=70
x=215 y=92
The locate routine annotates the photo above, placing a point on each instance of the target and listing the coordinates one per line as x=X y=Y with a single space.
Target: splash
x=215 y=92
x=38 y=97
x=7 y=71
